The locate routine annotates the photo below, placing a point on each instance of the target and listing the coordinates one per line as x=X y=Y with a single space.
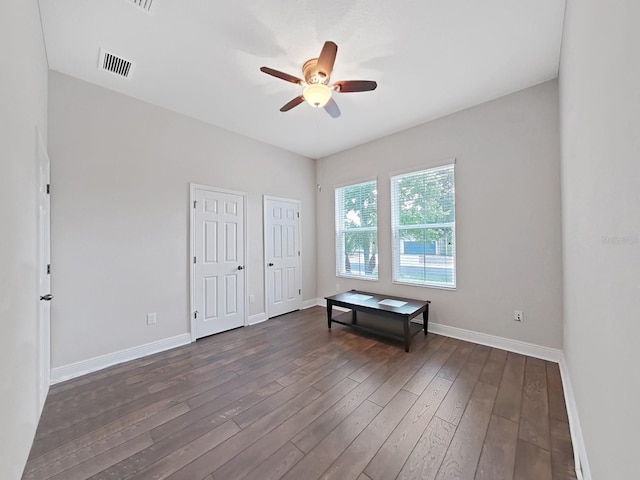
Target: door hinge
x=49 y=269
x=195 y=202
x=298 y=214
x=298 y=252
x=48 y=188
x=194 y=259
x=299 y=291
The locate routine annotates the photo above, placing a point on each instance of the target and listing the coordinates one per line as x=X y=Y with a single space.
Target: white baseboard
x=73 y=370
x=310 y=303
x=261 y=317
x=583 y=471
x=516 y=346
x=321 y=302
x=257 y=318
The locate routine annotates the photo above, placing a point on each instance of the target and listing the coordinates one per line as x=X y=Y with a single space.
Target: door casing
x=43 y=276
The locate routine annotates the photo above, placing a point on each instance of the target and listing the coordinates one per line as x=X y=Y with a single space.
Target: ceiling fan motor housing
x=311 y=73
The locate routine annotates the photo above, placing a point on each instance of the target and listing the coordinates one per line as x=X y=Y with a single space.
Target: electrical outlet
x=517 y=315
x=252 y=298
x=151 y=318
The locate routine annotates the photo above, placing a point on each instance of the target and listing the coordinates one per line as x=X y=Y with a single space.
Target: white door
x=282 y=255
x=44 y=277
x=219 y=256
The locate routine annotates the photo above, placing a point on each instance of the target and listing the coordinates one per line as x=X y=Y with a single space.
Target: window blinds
x=356 y=214
x=423 y=227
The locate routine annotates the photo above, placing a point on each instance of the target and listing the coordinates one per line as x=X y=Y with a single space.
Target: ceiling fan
x=317 y=73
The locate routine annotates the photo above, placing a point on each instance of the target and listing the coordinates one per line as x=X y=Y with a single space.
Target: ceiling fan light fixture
x=317 y=91
x=317 y=94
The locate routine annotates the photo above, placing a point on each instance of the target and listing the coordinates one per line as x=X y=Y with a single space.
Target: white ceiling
x=202 y=58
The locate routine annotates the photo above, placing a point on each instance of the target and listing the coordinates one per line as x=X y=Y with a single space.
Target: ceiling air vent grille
x=144 y=4
x=114 y=64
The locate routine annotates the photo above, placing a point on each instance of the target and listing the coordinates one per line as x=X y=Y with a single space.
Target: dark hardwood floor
x=289 y=399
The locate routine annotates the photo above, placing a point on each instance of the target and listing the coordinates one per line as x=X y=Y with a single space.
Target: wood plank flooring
x=289 y=399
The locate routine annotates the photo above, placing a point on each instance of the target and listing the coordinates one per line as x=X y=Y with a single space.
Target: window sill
x=357 y=277
x=424 y=285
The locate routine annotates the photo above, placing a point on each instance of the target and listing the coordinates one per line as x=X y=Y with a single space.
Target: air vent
x=143 y=4
x=115 y=64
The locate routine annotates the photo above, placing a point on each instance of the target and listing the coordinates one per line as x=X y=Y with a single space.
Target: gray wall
x=120 y=214
x=508 y=213
x=600 y=131
x=23 y=107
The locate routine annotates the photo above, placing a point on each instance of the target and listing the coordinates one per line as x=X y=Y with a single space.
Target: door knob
x=48 y=297
x=270 y=264
x=240 y=267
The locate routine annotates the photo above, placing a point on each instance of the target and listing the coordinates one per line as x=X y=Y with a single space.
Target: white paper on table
x=359 y=297
x=392 y=303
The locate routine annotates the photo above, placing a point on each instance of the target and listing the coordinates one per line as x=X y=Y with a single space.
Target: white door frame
x=192 y=249
x=43 y=203
x=265 y=199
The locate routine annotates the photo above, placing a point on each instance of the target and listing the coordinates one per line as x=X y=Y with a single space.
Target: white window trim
x=423 y=166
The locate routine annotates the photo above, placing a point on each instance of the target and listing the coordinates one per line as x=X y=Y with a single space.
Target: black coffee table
x=382 y=315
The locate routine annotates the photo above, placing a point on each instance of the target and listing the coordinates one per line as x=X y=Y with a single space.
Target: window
x=423 y=227
x=357 y=231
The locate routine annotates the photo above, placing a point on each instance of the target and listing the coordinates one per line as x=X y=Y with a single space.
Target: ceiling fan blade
x=327 y=58
x=332 y=108
x=293 y=103
x=346 y=86
x=281 y=75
